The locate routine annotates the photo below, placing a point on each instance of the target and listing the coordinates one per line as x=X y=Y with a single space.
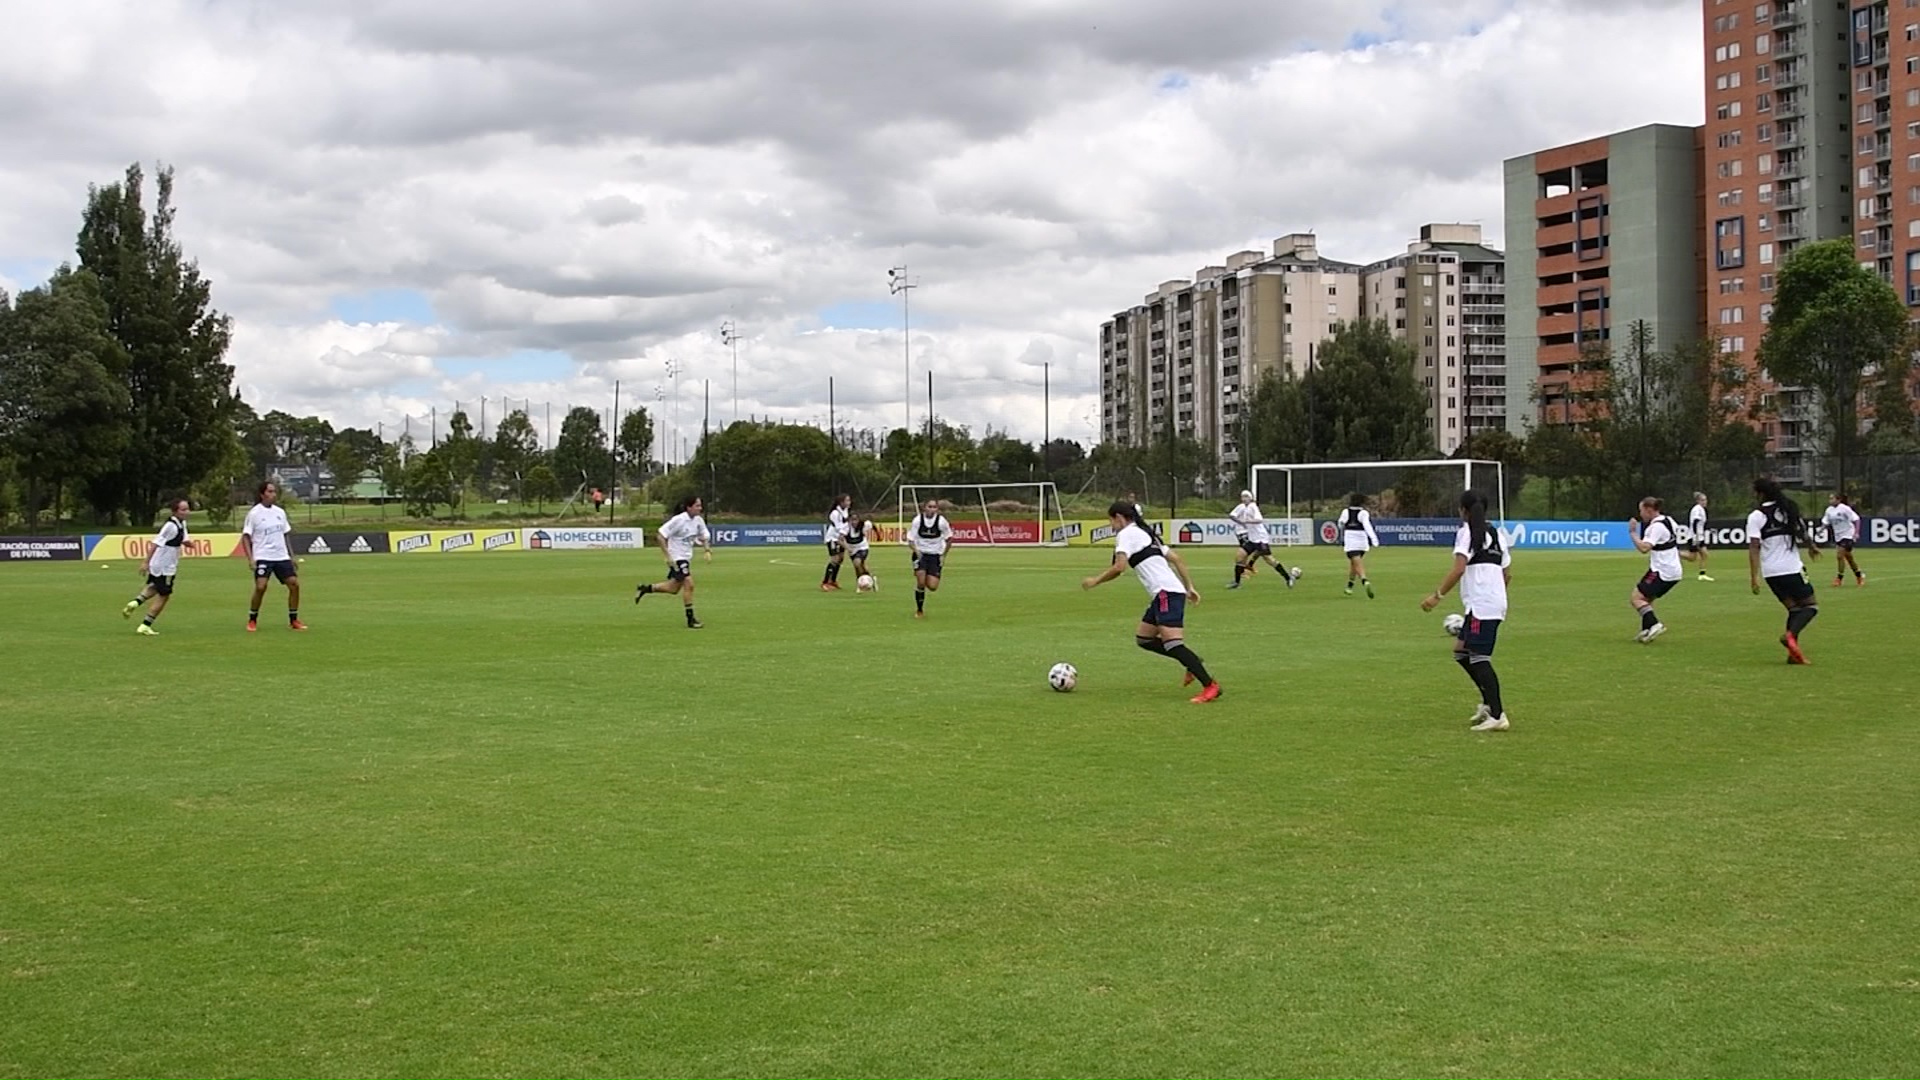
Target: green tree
x=348 y=463
x=256 y=436
x=516 y=448
x=774 y=469
x=1893 y=431
x=390 y=461
x=426 y=483
x=160 y=311
x=580 y=454
x=1833 y=321
x=1274 y=420
x=1366 y=402
x=65 y=415
x=539 y=484
x=636 y=444
x=460 y=452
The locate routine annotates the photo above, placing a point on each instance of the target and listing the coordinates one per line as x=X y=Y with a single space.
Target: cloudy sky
x=409 y=203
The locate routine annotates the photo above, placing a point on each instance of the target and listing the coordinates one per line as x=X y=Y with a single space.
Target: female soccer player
x=1255 y=544
x=1481 y=567
x=162 y=563
x=930 y=535
x=263 y=539
x=677 y=537
x=1775 y=531
x=836 y=542
x=1357 y=536
x=1843 y=525
x=1163 y=572
x=1659 y=541
x=858 y=546
x=1697 y=525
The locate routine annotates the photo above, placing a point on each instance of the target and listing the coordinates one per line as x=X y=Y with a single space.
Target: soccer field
x=489 y=817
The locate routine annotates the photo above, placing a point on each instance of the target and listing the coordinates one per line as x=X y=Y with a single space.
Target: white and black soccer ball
x=1063 y=677
x=1454 y=623
x=1295 y=571
x=865 y=583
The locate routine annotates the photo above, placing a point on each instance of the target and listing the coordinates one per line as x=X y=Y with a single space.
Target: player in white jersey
x=1163 y=573
x=930 y=536
x=1775 y=531
x=1697 y=530
x=1481 y=567
x=161 y=564
x=859 y=544
x=678 y=536
x=1356 y=538
x=1654 y=535
x=836 y=542
x=263 y=540
x=1255 y=544
x=1843 y=525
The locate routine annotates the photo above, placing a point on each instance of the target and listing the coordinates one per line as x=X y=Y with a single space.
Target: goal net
x=1000 y=515
x=1404 y=489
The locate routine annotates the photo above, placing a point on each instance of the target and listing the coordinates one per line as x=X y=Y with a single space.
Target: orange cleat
x=1211 y=693
x=1794 y=655
x=252 y=626
x=296 y=625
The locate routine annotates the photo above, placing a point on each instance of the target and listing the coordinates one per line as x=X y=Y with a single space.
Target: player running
x=678 y=535
x=1482 y=568
x=857 y=543
x=1775 y=531
x=1255 y=544
x=1163 y=572
x=1659 y=541
x=263 y=540
x=161 y=564
x=930 y=536
x=1697 y=530
x=1843 y=525
x=1356 y=538
x=836 y=542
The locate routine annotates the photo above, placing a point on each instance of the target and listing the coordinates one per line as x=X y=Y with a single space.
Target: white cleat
x=1492 y=723
x=146 y=631
x=1654 y=631
x=1641 y=637
x=1480 y=712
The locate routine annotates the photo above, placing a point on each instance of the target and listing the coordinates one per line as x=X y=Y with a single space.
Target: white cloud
x=611 y=182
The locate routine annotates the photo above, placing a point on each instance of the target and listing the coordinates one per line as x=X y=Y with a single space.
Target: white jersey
x=929 y=536
x=165 y=560
x=1842 y=522
x=268 y=527
x=1248 y=523
x=1779 y=547
x=1664 y=559
x=1697 y=523
x=836 y=525
x=1483 y=587
x=1149 y=560
x=680 y=533
x=1356 y=530
x=857 y=537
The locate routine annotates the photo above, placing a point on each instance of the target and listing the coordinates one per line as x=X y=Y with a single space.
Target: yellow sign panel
x=454 y=541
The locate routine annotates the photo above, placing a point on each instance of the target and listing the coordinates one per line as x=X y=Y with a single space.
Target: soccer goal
x=1001 y=515
x=1393 y=488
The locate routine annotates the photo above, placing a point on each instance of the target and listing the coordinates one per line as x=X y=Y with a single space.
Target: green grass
x=491 y=818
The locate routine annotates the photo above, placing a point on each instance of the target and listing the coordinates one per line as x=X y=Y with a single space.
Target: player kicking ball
x=1163 y=572
x=162 y=563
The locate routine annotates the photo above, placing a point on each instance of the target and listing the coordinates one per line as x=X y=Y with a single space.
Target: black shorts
x=1480 y=635
x=1693 y=547
x=1167 y=609
x=1252 y=548
x=1653 y=586
x=1356 y=553
x=1846 y=545
x=1788 y=588
x=680 y=571
x=834 y=548
x=927 y=564
x=281 y=569
x=859 y=554
x=161 y=584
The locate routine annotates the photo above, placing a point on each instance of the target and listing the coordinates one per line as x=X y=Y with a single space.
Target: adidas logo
x=319 y=547
x=360 y=546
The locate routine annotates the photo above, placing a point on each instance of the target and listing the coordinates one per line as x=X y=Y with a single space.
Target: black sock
x=690 y=618
x=1237 y=571
x=1151 y=644
x=254 y=615
x=293 y=615
x=1647 y=618
x=645 y=589
x=1481 y=672
x=1179 y=651
x=919 y=599
x=827 y=574
x=149 y=619
x=1350 y=580
x=1798 y=618
x=1363 y=580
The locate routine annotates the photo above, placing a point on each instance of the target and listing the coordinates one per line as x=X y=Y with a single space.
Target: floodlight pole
x=730 y=336
x=899 y=284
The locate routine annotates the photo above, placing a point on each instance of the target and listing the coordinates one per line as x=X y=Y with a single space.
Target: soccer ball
x=1295 y=571
x=866 y=583
x=1063 y=677
x=1454 y=624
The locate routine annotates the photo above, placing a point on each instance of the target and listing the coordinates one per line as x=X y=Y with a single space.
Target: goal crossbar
x=1465 y=465
x=1034 y=528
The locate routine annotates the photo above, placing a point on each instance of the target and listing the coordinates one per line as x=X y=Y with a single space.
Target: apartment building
x=1600 y=234
x=1447 y=296
x=1184 y=358
x=1799 y=145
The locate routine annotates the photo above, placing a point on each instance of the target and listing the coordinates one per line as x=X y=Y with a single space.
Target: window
x=1913 y=195
x=1729 y=139
x=1913 y=228
x=1450 y=341
x=1763 y=73
x=1426 y=281
x=1862 y=37
x=1913 y=31
x=1766 y=282
x=1589 y=313
x=1913 y=97
x=1763 y=132
x=1913 y=272
x=1728 y=169
x=1333 y=309
x=1763 y=193
x=1760 y=13
x=1763 y=102
x=1762 y=164
x=1729 y=240
x=1763 y=222
x=1727 y=111
x=1333 y=290
x=1766 y=312
x=1766 y=254
x=1450 y=384
x=1913 y=64
x=1762 y=43
x=1866 y=207
x=1865 y=113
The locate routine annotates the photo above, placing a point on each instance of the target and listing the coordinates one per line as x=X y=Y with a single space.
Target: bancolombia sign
x=1874 y=532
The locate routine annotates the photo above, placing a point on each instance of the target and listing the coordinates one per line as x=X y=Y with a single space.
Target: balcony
x=1787 y=16
x=1483 y=309
x=1785 y=75
x=1489 y=410
x=1488 y=350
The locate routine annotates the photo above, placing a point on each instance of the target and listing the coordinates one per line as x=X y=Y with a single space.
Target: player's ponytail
x=1473 y=507
x=1125 y=508
x=1769 y=491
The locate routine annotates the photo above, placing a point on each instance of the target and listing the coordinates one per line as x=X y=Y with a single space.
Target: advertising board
x=139 y=545
x=584 y=539
x=303 y=544
x=65 y=548
x=454 y=541
x=1219 y=532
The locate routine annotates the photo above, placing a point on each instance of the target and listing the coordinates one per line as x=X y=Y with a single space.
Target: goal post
x=995 y=515
x=1429 y=488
